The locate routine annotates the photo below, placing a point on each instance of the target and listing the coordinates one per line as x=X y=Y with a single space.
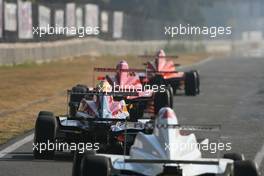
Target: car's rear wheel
x=245 y=168
x=197 y=76
x=190 y=83
x=45 y=133
x=174 y=91
x=157 y=80
x=170 y=89
x=136 y=112
x=95 y=165
x=77 y=158
x=161 y=99
x=45 y=113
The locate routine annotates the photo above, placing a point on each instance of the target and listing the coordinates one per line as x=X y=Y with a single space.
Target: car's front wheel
x=190 y=83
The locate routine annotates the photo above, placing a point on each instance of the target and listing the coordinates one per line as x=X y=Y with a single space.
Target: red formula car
x=150 y=97
x=163 y=71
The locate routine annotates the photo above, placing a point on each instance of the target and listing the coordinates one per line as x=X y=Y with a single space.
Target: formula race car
x=97 y=124
x=151 y=98
x=163 y=71
x=149 y=155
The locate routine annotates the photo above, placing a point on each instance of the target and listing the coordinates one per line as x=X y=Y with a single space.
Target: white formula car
x=148 y=155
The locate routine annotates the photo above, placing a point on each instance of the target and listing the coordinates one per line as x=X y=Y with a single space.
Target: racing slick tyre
x=75 y=99
x=45 y=132
x=136 y=112
x=95 y=165
x=174 y=91
x=197 y=76
x=157 y=80
x=77 y=158
x=161 y=99
x=45 y=113
x=234 y=156
x=170 y=89
x=190 y=83
x=80 y=88
x=245 y=168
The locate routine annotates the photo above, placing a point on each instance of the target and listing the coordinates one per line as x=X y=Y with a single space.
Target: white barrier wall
x=45 y=51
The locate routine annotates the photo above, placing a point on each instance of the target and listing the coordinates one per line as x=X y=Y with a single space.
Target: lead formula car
x=162 y=70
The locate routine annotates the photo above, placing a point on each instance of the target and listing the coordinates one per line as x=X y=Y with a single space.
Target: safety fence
x=30 y=21
x=27 y=21
x=18 y=53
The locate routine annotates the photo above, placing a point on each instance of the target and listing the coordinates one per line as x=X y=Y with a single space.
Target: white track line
x=259 y=156
x=16 y=145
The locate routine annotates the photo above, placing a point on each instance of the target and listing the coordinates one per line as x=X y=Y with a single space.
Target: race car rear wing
x=154 y=56
x=110 y=93
x=163 y=161
x=97 y=69
x=97 y=119
x=131 y=70
x=202 y=128
x=209 y=128
x=90 y=94
x=75 y=125
x=176 y=65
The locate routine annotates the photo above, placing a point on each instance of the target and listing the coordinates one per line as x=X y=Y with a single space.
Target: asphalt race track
x=232 y=94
